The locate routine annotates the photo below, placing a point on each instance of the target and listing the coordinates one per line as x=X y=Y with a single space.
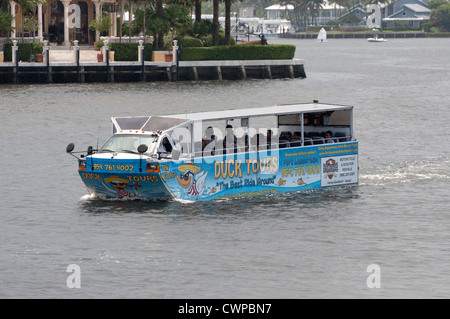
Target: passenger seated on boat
x=206 y=139
x=165 y=148
x=308 y=141
x=259 y=139
x=296 y=140
x=269 y=139
x=340 y=137
x=318 y=140
x=284 y=139
x=246 y=143
x=328 y=137
x=230 y=140
x=209 y=149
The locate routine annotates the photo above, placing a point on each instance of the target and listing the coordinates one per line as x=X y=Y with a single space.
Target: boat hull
x=233 y=175
x=122 y=179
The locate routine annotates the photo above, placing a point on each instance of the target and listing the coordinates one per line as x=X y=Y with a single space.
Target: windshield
x=128 y=143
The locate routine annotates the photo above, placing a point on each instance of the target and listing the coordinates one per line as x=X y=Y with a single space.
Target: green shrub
x=189 y=42
x=400 y=25
x=26 y=51
x=129 y=51
x=208 y=40
x=439 y=35
x=201 y=28
x=238 y=52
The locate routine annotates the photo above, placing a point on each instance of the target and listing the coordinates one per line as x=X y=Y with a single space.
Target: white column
x=114 y=24
x=14 y=47
x=13 y=14
x=66 y=22
x=140 y=56
x=77 y=48
x=40 y=36
x=174 y=51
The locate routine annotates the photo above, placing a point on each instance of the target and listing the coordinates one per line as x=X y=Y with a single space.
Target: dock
x=29 y=72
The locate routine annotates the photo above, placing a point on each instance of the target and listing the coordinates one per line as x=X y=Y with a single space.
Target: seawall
x=25 y=72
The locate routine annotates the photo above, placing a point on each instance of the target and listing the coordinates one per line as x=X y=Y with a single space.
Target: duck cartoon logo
x=119 y=184
x=191 y=178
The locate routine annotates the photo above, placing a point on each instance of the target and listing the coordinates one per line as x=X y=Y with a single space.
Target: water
x=299 y=245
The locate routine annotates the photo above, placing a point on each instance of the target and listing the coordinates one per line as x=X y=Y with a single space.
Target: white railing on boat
x=308 y=141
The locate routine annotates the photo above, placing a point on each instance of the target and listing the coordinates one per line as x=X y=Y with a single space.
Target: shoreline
x=356 y=35
x=27 y=72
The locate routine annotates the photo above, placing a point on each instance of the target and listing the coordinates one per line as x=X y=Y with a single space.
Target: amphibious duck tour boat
x=224 y=154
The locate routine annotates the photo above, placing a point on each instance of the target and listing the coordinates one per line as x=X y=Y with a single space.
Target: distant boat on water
x=376 y=39
x=322 y=36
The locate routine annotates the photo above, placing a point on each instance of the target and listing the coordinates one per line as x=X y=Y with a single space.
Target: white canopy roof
x=168 y=122
x=263 y=111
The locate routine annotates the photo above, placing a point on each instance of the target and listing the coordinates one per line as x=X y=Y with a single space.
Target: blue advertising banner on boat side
x=263 y=172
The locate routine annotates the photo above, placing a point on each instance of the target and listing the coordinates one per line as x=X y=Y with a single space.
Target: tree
x=228 y=4
x=312 y=7
x=215 y=31
x=434 y=4
x=101 y=25
x=29 y=7
x=177 y=17
x=227 y=21
x=159 y=15
x=5 y=23
x=198 y=10
x=442 y=16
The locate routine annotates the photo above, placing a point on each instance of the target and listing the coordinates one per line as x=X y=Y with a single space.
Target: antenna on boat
x=98 y=134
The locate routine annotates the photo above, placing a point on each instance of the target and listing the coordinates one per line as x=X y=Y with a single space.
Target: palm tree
x=5 y=18
x=120 y=4
x=215 y=26
x=5 y=23
x=29 y=5
x=177 y=18
x=300 y=13
x=159 y=15
x=228 y=4
x=198 y=10
x=313 y=7
x=228 y=21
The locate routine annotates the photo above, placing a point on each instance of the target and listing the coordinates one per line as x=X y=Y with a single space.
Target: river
x=386 y=238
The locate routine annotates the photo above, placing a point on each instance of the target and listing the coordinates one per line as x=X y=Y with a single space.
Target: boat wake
x=183 y=201
x=427 y=169
x=88 y=197
x=94 y=197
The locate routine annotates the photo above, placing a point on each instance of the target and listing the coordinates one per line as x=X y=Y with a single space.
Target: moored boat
x=376 y=39
x=224 y=154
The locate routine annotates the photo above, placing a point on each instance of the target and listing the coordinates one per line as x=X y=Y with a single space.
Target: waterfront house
x=67 y=20
x=356 y=13
x=411 y=11
x=328 y=11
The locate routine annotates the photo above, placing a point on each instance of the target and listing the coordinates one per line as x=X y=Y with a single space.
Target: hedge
x=439 y=34
x=130 y=51
x=26 y=50
x=239 y=52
